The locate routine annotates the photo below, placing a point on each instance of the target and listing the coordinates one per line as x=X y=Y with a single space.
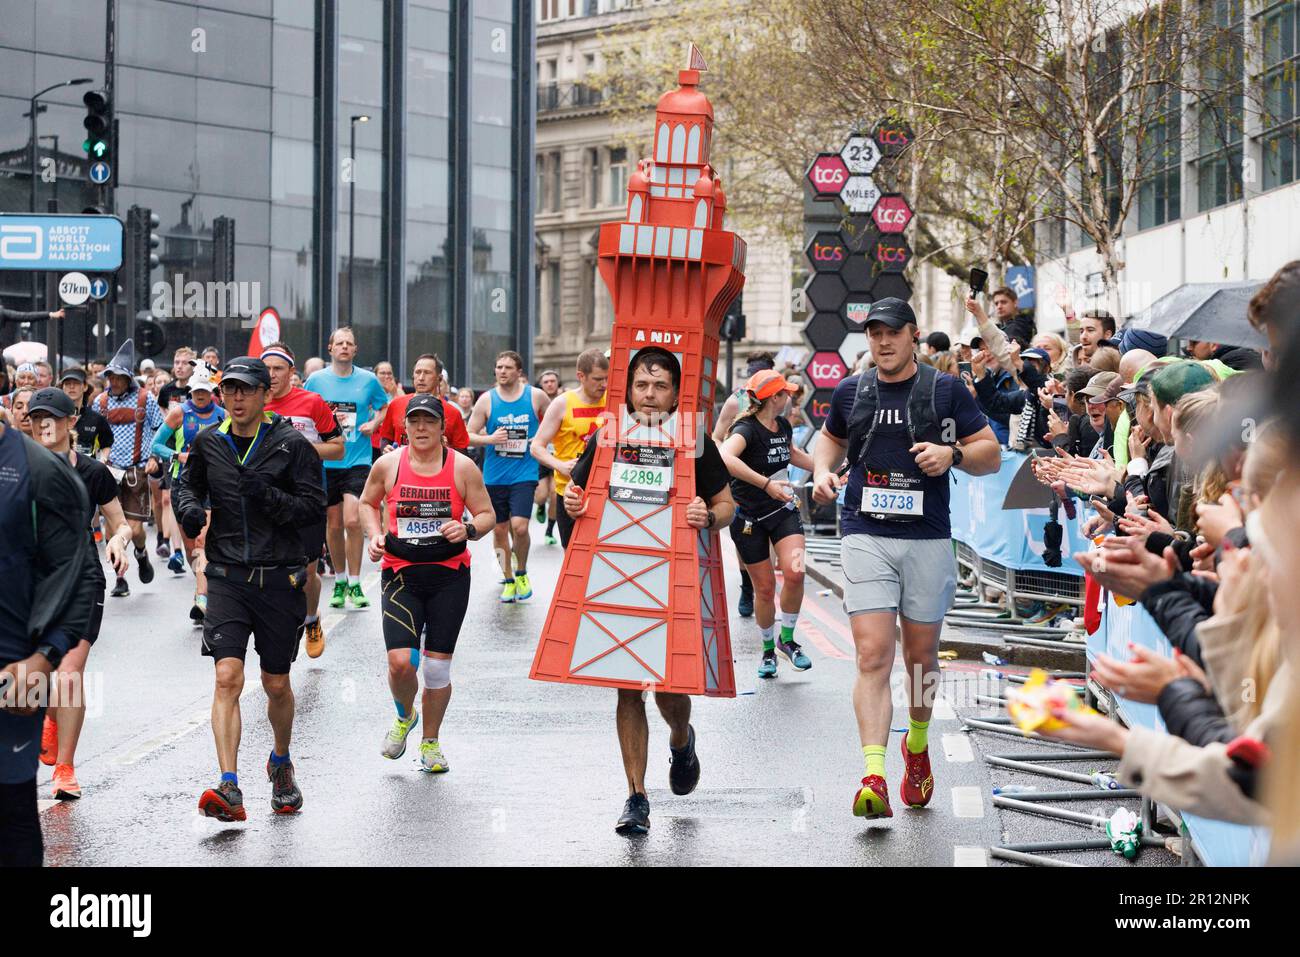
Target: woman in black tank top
x=758 y=453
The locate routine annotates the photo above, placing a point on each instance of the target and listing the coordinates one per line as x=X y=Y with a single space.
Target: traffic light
x=142 y=241
x=99 y=127
x=733 y=323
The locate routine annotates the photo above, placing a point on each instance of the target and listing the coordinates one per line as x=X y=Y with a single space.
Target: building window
x=557 y=181
x=590 y=277
x=1219 y=120
x=553 y=306
x=593 y=177
x=1280 y=88
x=1160 y=161
x=542 y=185
x=548 y=10
x=617 y=177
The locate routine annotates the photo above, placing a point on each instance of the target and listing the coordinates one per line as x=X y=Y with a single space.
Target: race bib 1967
x=516 y=444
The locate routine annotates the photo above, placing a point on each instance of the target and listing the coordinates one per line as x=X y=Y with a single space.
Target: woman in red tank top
x=422 y=544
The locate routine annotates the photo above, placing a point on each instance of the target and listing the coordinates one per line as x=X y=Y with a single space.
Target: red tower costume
x=640 y=602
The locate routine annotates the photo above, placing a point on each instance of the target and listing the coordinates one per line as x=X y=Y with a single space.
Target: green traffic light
x=100 y=148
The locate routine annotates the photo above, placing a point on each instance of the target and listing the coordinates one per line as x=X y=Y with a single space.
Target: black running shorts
x=424 y=599
x=755 y=545
x=272 y=616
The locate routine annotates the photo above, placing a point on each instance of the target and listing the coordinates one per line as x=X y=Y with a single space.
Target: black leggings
x=20 y=826
x=428 y=599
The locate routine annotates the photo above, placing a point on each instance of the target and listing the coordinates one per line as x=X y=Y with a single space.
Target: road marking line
x=824 y=644
x=943 y=709
x=957 y=749
x=967 y=802
x=835 y=626
x=970 y=857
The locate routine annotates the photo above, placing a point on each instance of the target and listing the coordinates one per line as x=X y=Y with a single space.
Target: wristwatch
x=50 y=653
x=471 y=531
x=957 y=455
x=713 y=519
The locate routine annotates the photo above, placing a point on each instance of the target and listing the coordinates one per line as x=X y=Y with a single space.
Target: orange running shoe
x=225 y=802
x=872 y=799
x=315 y=639
x=918 y=783
x=65 y=783
x=49 y=742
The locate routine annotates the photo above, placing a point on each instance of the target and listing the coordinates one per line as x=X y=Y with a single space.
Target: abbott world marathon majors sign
x=862 y=261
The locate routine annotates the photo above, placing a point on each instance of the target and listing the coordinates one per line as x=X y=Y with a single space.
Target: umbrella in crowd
x=1204 y=311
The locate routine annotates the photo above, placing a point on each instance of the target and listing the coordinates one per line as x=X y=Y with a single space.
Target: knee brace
x=436 y=671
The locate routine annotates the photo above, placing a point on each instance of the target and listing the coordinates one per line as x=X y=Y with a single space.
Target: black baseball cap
x=77 y=374
x=51 y=400
x=893 y=312
x=427 y=403
x=247 y=370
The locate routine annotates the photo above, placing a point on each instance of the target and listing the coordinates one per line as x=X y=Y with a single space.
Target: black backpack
x=922 y=418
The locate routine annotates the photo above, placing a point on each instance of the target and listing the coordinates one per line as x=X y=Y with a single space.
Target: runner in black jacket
x=42 y=608
x=262 y=479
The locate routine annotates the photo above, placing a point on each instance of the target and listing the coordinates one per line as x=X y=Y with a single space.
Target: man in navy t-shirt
x=903 y=426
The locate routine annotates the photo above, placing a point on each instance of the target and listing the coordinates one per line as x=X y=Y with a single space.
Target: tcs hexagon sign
x=860 y=154
x=828 y=174
x=819 y=406
x=891 y=253
x=892 y=136
x=826 y=252
x=826 y=369
x=892 y=213
x=825 y=330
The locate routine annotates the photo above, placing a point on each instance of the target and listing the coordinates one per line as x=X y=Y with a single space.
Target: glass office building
x=421 y=240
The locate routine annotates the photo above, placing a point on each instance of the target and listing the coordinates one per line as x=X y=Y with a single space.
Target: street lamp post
x=34 y=157
x=352 y=201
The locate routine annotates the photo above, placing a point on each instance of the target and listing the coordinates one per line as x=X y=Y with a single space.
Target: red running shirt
x=392 y=428
x=418 y=505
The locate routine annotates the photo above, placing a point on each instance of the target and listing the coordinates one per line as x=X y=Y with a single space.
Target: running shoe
x=432 y=759
x=917 y=786
x=523 y=589
x=176 y=563
x=745 y=606
x=99 y=535
x=635 y=818
x=539 y=513
x=395 y=741
x=320 y=566
x=767 y=667
x=354 y=595
x=792 y=651
x=225 y=802
x=121 y=589
x=551 y=540
x=872 y=799
x=315 y=638
x=49 y=742
x=340 y=594
x=684 y=770
x=508 y=590
x=163 y=549
x=145 y=567
x=200 y=609
x=285 y=796
x=65 y=784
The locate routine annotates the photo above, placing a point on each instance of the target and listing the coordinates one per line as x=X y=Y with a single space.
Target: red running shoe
x=49 y=741
x=918 y=783
x=872 y=799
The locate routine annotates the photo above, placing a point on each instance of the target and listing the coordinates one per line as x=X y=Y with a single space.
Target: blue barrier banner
x=1012 y=538
x=1219 y=843
x=56 y=243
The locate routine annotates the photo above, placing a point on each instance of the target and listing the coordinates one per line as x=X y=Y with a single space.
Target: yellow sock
x=918 y=735
x=875 y=758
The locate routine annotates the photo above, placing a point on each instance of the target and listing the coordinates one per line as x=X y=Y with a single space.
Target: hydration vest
x=922 y=419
